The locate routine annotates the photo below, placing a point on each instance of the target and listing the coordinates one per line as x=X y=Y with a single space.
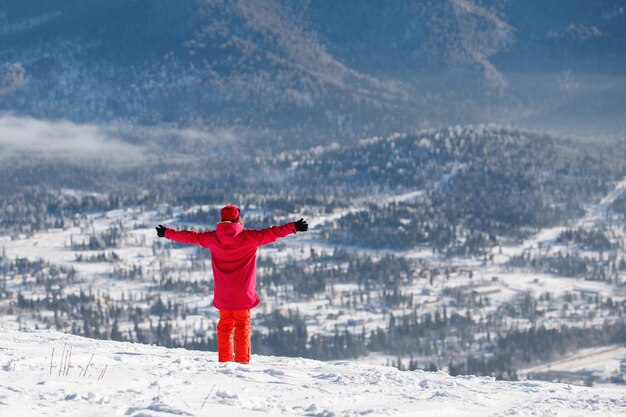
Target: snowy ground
x=147 y=381
x=602 y=361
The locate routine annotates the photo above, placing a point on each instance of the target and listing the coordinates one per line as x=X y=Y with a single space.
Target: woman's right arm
x=203 y=239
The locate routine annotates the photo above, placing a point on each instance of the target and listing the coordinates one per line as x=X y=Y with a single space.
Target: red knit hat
x=230 y=214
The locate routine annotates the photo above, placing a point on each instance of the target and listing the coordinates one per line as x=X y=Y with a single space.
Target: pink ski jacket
x=233 y=256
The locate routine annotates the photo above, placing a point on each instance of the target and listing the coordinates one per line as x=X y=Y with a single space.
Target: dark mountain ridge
x=306 y=73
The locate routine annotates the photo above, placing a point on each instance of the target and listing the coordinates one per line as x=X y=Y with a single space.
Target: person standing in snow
x=233 y=257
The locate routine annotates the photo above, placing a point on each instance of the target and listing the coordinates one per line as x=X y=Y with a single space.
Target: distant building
x=355 y=322
x=587 y=292
x=467 y=272
x=486 y=291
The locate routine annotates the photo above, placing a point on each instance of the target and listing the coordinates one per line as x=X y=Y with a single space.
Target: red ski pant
x=239 y=321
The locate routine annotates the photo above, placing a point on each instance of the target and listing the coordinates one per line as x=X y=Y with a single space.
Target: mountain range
x=301 y=73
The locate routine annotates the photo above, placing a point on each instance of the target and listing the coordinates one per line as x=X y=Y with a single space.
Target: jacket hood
x=228 y=232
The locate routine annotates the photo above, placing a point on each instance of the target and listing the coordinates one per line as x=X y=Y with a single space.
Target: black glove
x=160 y=230
x=302 y=226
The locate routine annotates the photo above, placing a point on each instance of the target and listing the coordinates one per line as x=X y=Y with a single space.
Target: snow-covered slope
x=140 y=381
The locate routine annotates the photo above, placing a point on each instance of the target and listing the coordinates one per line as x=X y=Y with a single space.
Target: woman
x=233 y=257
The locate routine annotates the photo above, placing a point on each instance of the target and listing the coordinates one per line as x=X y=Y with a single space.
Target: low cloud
x=12 y=77
x=217 y=136
x=26 y=136
x=188 y=136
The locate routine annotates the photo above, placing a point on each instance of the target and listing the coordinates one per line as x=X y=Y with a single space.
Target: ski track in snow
x=150 y=381
x=593 y=214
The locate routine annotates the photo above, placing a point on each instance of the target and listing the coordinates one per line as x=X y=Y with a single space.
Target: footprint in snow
x=228 y=398
x=274 y=372
x=335 y=378
x=314 y=411
x=158 y=407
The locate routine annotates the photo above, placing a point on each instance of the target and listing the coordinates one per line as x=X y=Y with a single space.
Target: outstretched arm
x=203 y=239
x=271 y=234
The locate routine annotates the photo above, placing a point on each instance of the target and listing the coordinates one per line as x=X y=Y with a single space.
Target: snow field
x=149 y=381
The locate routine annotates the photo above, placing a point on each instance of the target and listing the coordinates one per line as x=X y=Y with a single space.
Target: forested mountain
x=460 y=190
x=315 y=72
